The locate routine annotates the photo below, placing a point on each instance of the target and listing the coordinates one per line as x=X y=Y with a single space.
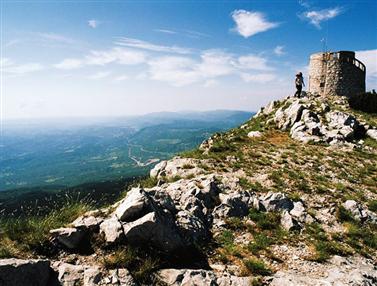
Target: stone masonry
x=336 y=73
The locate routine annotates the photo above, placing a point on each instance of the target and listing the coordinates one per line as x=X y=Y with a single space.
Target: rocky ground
x=289 y=198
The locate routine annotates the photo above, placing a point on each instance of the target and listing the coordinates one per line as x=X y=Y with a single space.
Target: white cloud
x=122 y=77
x=56 y=38
x=68 y=64
x=216 y=63
x=210 y=83
x=315 y=17
x=8 y=66
x=279 y=50
x=249 y=23
x=177 y=71
x=369 y=59
x=253 y=62
x=180 y=71
x=259 y=78
x=118 y=55
x=100 y=75
x=93 y=23
x=165 y=31
x=139 y=44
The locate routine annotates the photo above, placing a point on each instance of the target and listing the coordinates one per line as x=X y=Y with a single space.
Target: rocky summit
x=288 y=198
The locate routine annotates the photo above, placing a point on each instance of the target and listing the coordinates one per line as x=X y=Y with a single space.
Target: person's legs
x=299 y=88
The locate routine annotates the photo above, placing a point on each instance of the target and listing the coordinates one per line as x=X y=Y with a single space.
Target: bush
x=366 y=102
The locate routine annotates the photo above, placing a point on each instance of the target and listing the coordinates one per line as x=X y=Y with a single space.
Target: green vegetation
x=366 y=102
x=24 y=236
x=137 y=261
x=256 y=267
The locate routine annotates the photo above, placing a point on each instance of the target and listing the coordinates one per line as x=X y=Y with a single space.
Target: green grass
x=265 y=221
x=140 y=263
x=27 y=235
x=256 y=267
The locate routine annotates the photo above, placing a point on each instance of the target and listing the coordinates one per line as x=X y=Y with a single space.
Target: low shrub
x=366 y=102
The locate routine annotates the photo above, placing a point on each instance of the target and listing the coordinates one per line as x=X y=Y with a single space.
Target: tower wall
x=336 y=73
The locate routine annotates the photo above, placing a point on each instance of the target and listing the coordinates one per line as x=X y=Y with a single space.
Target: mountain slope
x=288 y=198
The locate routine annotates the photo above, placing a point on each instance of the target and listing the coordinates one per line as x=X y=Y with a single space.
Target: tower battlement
x=336 y=73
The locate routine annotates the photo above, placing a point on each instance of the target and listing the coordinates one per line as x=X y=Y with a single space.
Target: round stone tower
x=336 y=73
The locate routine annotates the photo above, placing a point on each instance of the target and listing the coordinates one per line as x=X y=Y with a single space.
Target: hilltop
x=287 y=198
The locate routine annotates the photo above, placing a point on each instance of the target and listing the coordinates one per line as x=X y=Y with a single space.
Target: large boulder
x=70 y=237
x=192 y=229
x=182 y=167
x=112 y=230
x=70 y=275
x=359 y=212
x=157 y=229
x=235 y=204
x=285 y=118
x=275 y=202
x=19 y=272
x=372 y=133
x=133 y=206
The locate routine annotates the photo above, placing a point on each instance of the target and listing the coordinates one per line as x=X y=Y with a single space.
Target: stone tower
x=336 y=73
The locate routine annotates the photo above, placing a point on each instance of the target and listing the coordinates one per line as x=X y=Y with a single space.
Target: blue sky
x=109 y=58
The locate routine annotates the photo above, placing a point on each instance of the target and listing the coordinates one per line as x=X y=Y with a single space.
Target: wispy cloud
x=117 y=55
x=180 y=71
x=279 y=50
x=304 y=3
x=249 y=23
x=139 y=44
x=253 y=62
x=93 y=23
x=259 y=78
x=56 y=38
x=8 y=66
x=316 y=17
x=100 y=75
x=165 y=31
x=68 y=64
x=122 y=77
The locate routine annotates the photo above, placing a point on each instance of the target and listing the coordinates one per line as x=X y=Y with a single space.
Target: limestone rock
x=133 y=206
x=285 y=118
x=276 y=202
x=70 y=275
x=359 y=212
x=340 y=271
x=372 y=133
x=90 y=223
x=112 y=229
x=177 y=166
x=92 y=276
x=156 y=229
x=200 y=277
x=192 y=229
x=254 y=134
x=17 y=272
x=234 y=204
x=288 y=222
x=69 y=237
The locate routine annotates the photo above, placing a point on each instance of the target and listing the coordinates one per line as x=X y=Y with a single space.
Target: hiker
x=299 y=81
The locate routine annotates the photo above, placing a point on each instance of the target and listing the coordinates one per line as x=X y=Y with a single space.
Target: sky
x=116 y=58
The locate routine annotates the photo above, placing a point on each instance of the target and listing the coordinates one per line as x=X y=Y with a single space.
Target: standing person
x=299 y=81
